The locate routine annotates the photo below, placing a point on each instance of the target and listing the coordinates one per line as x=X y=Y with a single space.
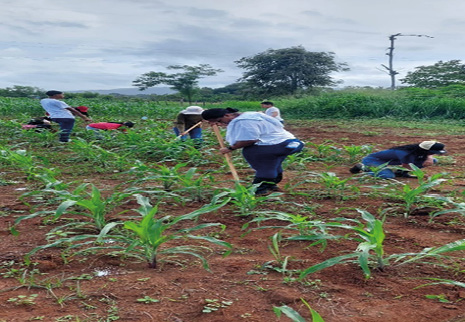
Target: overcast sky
x=106 y=44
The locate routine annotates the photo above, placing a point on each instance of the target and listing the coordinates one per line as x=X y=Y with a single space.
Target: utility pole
x=392 y=73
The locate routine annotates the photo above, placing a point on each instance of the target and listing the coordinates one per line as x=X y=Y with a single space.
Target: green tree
x=285 y=71
x=185 y=82
x=438 y=75
x=22 y=91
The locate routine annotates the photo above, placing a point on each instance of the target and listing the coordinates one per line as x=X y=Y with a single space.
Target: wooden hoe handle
x=227 y=156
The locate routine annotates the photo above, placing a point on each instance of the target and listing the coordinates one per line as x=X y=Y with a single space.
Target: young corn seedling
x=91 y=207
x=334 y=186
x=371 y=237
x=417 y=195
x=244 y=199
x=355 y=152
x=151 y=233
x=294 y=315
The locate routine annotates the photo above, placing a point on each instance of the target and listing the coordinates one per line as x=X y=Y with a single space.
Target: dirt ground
x=105 y=288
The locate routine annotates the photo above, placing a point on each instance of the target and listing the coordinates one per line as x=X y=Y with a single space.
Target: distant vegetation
x=408 y=103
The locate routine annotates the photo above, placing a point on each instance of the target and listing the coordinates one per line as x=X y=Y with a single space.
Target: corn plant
x=151 y=233
x=335 y=187
x=371 y=237
x=323 y=151
x=294 y=315
x=90 y=206
x=244 y=199
x=356 y=151
x=415 y=195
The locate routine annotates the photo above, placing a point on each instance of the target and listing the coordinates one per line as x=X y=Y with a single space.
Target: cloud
x=103 y=44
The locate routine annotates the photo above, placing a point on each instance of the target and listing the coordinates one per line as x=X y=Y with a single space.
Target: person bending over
x=263 y=140
x=421 y=155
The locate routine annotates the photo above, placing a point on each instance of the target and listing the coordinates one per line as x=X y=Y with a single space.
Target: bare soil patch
x=104 y=288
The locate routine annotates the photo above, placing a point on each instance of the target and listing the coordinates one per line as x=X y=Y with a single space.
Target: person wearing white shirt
x=272 y=110
x=61 y=113
x=263 y=140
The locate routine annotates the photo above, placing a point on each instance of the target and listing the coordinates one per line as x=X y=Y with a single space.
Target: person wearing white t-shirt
x=263 y=140
x=61 y=113
x=272 y=110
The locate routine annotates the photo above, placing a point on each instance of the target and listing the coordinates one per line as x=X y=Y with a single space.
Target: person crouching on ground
x=106 y=126
x=421 y=155
x=264 y=143
x=61 y=113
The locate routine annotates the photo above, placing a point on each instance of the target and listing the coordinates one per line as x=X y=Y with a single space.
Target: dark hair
x=216 y=113
x=53 y=93
x=267 y=103
x=415 y=149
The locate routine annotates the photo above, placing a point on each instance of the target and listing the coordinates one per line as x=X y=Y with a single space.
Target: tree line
x=272 y=73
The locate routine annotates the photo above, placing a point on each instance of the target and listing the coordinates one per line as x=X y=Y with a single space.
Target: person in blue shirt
x=263 y=140
x=421 y=155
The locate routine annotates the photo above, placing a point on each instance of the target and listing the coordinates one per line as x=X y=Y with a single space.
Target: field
x=392 y=242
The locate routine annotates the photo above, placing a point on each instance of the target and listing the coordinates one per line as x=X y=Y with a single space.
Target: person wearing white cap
x=421 y=155
x=186 y=119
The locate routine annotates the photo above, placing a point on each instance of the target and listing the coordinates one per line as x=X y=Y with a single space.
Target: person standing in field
x=263 y=140
x=186 y=119
x=272 y=110
x=421 y=155
x=61 y=113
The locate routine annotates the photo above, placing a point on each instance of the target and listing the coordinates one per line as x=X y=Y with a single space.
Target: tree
x=185 y=82
x=22 y=91
x=285 y=71
x=438 y=75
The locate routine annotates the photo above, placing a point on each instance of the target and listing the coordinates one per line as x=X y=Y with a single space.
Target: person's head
x=424 y=148
x=128 y=124
x=192 y=110
x=432 y=147
x=266 y=104
x=55 y=94
x=220 y=115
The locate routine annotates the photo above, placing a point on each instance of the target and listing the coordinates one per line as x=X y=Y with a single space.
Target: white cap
x=192 y=110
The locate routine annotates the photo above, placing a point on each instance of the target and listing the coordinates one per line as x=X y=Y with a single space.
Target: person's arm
x=77 y=113
x=238 y=145
x=180 y=123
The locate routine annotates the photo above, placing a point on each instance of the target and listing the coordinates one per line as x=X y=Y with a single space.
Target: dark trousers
x=66 y=126
x=267 y=160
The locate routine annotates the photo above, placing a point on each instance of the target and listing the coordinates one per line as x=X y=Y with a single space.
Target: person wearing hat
x=61 y=113
x=272 y=110
x=263 y=140
x=421 y=155
x=186 y=119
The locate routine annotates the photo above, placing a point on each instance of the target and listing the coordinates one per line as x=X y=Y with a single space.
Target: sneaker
x=356 y=168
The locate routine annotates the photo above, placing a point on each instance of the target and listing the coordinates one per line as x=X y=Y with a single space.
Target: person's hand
x=224 y=150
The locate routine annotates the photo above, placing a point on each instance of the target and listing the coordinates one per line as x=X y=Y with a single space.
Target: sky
x=73 y=45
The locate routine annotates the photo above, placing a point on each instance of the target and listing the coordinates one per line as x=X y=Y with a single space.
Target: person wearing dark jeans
x=264 y=143
x=420 y=155
x=61 y=113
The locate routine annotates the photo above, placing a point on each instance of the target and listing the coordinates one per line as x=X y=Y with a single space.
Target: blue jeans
x=193 y=134
x=66 y=126
x=267 y=160
x=384 y=173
